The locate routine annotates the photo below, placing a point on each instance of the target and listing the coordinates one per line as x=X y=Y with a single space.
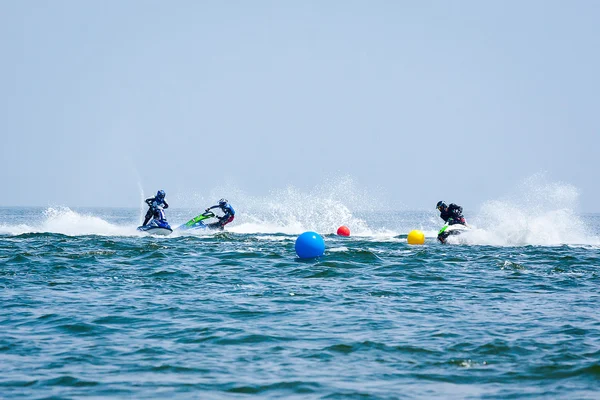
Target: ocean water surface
x=93 y=309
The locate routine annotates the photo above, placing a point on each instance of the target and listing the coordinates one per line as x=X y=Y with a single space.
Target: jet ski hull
x=156 y=231
x=451 y=230
x=198 y=223
x=199 y=226
x=157 y=225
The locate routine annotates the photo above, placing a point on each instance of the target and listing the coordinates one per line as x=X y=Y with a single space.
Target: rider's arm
x=149 y=200
x=165 y=204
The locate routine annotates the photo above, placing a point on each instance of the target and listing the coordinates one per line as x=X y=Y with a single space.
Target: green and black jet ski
x=451 y=230
x=198 y=222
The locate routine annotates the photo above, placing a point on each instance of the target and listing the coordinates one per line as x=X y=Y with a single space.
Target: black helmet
x=441 y=205
x=222 y=202
x=161 y=194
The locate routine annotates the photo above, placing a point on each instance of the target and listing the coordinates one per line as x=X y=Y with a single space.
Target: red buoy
x=343 y=231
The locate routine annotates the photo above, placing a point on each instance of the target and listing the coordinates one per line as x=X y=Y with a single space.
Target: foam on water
x=541 y=213
x=339 y=249
x=65 y=221
x=19 y=229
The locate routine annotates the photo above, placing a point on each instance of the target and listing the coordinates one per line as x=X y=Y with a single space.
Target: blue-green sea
x=93 y=309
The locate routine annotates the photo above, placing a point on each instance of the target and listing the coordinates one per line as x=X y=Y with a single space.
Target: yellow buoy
x=416 y=237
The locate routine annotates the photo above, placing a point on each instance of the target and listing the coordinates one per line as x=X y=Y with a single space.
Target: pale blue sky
x=422 y=100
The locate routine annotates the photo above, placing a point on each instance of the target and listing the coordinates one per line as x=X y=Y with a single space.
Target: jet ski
x=158 y=225
x=451 y=230
x=198 y=222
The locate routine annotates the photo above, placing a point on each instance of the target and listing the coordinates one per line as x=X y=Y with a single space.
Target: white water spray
x=542 y=213
x=293 y=211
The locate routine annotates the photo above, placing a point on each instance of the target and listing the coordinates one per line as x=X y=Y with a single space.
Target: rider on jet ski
x=154 y=203
x=228 y=211
x=451 y=214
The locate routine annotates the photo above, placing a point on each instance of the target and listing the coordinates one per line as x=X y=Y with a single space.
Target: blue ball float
x=310 y=245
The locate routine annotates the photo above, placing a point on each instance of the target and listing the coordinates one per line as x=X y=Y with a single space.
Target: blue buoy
x=310 y=245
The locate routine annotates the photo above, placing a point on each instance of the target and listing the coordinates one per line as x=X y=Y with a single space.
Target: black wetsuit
x=153 y=203
x=453 y=215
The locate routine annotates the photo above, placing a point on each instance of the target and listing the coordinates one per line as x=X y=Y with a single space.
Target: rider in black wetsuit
x=452 y=214
x=154 y=203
